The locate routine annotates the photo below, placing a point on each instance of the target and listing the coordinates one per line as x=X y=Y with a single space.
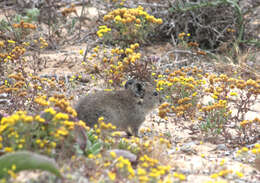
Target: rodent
x=125 y=108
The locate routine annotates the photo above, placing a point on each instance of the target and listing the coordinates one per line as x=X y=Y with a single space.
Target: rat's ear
x=129 y=83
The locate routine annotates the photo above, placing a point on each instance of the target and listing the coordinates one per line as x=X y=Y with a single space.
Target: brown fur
x=125 y=108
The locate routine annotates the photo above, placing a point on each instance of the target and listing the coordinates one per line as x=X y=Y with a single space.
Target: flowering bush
x=128 y=25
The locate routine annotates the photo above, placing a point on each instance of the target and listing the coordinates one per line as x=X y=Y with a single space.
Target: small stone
x=126 y=154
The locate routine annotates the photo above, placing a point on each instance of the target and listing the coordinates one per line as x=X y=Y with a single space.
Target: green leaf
x=24 y=160
x=33 y=14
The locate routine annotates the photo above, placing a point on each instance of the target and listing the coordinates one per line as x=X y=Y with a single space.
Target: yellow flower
x=90 y=156
x=128 y=50
x=2 y=43
x=117 y=18
x=254 y=151
x=145 y=165
x=20 y=146
x=233 y=93
x=62 y=131
x=243 y=123
x=28 y=119
x=53 y=144
x=132 y=46
x=116 y=134
x=143 y=179
x=98 y=131
x=38 y=141
x=113 y=154
x=81 y=52
x=222 y=162
x=8 y=149
x=11 y=41
x=111 y=175
x=182 y=177
x=244 y=149
x=100 y=35
x=61 y=116
x=239 y=174
x=13 y=167
x=101 y=118
x=40 y=119
x=159 y=21
x=138 y=21
x=12 y=174
x=141 y=171
x=194 y=94
x=214 y=176
x=102 y=27
x=257 y=145
x=95 y=49
x=214 y=96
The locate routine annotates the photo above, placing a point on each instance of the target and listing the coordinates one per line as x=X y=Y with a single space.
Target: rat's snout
x=140 y=101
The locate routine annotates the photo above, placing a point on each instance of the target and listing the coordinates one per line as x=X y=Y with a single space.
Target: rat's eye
x=155 y=93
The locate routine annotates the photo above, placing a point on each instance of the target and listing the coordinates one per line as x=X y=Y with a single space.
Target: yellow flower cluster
x=24 y=25
x=245 y=152
x=150 y=170
x=179 y=77
x=117 y=62
x=125 y=164
x=222 y=173
x=174 y=85
x=102 y=30
x=107 y=126
x=41 y=100
x=256 y=149
x=121 y=3
x=19 y=130
x=11 y=172
x=103 y=125
x=184 y=100
x=148 y=162
x=63 y=104
x=43 y=43
x=132 y=15
x=183 y=34
x=249 y=122
x=8 y=130
x=130 y=25
x=11 y=52
x=220 y=104
x=225 y=83
x=69 y=10
x=180 y=176
x=163 y=110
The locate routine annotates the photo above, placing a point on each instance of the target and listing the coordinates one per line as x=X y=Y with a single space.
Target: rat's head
x=147 y=96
